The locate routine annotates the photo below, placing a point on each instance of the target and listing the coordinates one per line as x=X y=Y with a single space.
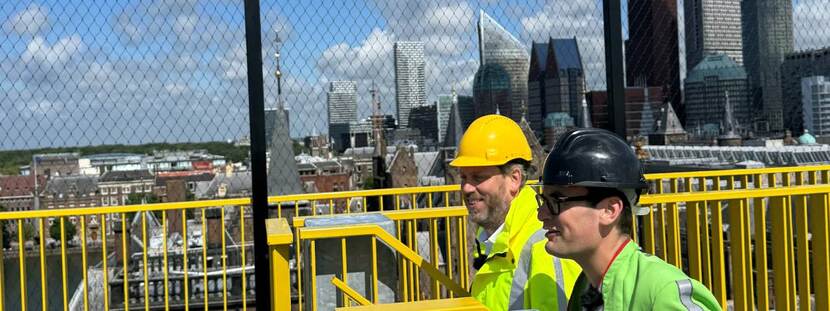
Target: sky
x=75 y=73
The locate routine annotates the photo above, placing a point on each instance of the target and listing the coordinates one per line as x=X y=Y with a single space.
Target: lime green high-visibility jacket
x=639 y=281
x=519 y=273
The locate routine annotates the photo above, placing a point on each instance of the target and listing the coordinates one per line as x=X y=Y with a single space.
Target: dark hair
x=601 y=193
x=527 y=168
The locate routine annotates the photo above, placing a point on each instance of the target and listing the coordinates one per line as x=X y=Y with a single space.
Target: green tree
x=68 y=228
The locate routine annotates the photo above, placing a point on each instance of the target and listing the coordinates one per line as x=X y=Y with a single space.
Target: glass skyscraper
x=712 y=26
x=342 y=109
x=410 y=89
x=501 y=81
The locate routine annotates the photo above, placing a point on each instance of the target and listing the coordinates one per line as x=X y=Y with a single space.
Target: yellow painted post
x=22 y=259
x=43 y=301
x=780 y=253
x=761 y=265
x=803 y=249
x=433 y=255
x=124 y=257
x=705 y=253
x=186 y=263
x=104 y=260
x=447 y=228
x=83 y=263
x=374 y=270
x=204 y=259
x=144 y=253
x=164 y=253
x=745 y=235
x=2 y=274
x=279 y=241
x=661 y=223
x=693 y=233
x=673 y=234
x=244 y=263
x=790 y=244
x=344 y=257
x=224 y=259
x=741 y=272
x=63 y=266
x=821 y=257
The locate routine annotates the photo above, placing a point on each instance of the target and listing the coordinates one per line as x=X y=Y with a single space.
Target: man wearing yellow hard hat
x=513 y=270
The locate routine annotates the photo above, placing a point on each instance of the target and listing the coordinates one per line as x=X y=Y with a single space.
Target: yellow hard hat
x=492 y=140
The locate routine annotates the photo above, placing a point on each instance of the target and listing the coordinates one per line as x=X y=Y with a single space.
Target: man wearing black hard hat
x=590 y=185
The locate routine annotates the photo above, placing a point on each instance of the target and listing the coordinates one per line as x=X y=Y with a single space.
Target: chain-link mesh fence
x=136 y=102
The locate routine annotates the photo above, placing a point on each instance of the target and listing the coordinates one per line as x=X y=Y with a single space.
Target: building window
x=105 y=190
x=148 y=188
x=105 y=202
x=125 y=189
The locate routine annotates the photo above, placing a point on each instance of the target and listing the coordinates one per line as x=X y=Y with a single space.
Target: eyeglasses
x=554 y=204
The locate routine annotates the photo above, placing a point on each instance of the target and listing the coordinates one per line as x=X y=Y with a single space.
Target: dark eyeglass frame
x=554 y=204
x=594 y=196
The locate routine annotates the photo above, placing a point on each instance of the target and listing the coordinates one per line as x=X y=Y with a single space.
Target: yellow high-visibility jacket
x=518 y=272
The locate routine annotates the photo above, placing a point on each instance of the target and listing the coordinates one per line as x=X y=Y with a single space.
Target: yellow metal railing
x=157 y=268
x=449 y=283
x=758 y=218
x=772 y=254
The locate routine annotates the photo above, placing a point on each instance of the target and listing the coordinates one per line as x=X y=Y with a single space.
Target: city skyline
x=197 y=93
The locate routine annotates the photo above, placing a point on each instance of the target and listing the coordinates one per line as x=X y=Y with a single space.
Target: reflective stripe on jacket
x=640 y=281
x=519 y=273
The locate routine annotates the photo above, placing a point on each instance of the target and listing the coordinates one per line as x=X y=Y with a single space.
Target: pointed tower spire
x=283 y=175
x=377 y=123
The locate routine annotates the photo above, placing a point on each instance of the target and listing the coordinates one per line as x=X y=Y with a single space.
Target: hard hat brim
x=466 y=161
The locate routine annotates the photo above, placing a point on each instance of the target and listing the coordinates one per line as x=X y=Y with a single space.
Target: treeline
x=10 y=161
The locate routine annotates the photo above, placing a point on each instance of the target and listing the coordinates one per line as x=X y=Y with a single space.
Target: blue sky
x=94 y=72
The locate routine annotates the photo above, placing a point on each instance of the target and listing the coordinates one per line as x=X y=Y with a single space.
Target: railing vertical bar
x=719 y=289
x=331 y=206
x=705 y=246
x=821 y=273
x=313 y=257
x=416 y=278
x=224 y=258
x=433 y=255
x=790 y=243
x=448 y=244
x=186 y=264
x=375 y=270
x=693 y=235
x=365 y=207
x=22 y=260
x=429 y=200
x=397 y=202
x=380 y=202
x=761 y=265
x=344 y=265
x=43 y=300
x=661 y=223
x=803 y=247
x=124 y=257
x=740 y=258
x=245 y=263
x=299 y=260
x=104 y=235
x=63 y=266
x=83 y=263
x=164 y=253
x=204 y=258
x=780 y=253
x=144 y=253
x=674 y=230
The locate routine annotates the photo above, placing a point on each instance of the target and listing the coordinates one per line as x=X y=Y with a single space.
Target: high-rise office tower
x=500 y=84
x=556 y=82
x=796 y=66
x=712 y=26
x=708 y=86
x=410 y=89
x=342 y=109
x=815 y=103
x=444 y=104
x=652 y=55
x=768 y=37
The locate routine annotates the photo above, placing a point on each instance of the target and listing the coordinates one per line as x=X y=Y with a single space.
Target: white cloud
x=30 y=21
x=38 y=50
x=566 y=19
x=810 y=20
x=185 y=25
x=234 y=64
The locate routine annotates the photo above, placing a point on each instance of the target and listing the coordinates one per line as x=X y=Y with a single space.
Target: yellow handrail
x=377 y=231
x=350 y=292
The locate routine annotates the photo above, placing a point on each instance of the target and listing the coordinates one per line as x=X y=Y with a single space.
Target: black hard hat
x=592 y=157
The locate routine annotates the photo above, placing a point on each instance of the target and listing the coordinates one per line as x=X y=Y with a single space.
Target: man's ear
x=515 y=180
x=611 y=210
